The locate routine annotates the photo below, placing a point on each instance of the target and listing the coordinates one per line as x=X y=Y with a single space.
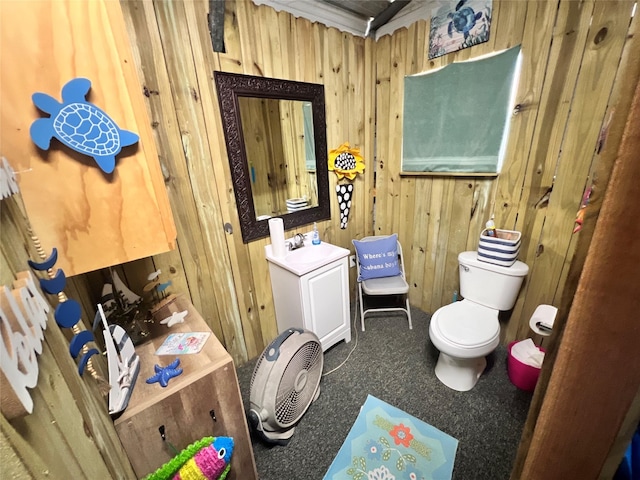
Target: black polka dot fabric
x=345 y=161
x=345 y=192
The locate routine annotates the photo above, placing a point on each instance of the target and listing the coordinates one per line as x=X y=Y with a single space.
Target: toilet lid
x=468 y=324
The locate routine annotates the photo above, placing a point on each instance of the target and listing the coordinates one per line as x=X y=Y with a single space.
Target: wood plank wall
x=570 y=68
x=228 y=281
x=69 y=419
x=571 y=53
x=571 y=60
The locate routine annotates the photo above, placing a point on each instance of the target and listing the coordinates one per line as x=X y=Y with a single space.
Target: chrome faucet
x=296 y=242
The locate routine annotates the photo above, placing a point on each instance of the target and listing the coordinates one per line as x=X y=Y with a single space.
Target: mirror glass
x=278 y=139
x=275 y=133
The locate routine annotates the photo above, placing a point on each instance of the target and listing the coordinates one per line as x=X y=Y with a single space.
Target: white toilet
x=465 y=332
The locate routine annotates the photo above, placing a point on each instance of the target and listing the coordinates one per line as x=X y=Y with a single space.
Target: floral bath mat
x=386 y=443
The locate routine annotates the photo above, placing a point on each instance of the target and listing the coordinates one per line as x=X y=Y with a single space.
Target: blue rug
x=386 y=443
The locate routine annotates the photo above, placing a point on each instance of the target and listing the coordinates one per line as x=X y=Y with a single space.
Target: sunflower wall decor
x=346 y=162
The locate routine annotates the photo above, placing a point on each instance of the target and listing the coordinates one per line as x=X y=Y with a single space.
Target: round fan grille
x=299 y=382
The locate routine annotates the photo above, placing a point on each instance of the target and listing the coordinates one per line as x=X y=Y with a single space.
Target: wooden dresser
x=208 y=387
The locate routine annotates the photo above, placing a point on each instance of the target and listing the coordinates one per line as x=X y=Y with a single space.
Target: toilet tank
x=490 y=285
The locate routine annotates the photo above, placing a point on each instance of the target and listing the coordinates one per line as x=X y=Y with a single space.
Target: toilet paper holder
x=542 y=320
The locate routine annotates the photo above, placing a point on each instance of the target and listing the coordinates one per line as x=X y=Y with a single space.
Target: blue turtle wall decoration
x=80 y=125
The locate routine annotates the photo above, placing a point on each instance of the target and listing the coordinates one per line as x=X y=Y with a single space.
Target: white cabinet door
x=325 y=295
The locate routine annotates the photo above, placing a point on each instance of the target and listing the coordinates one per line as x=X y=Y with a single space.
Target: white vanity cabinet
x=314 y=298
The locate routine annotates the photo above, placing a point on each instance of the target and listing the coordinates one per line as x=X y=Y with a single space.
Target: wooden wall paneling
x=417 y=235
x=587 y=415
x=244 y=327
x=80 y=290
x=407 y=205
x=480 y=210
x=68 y=409
x=337 y=68
x=522 y=145
x=510 y=20
x=305 y=52
x=461 y=207
x=137 y=272
x=407 y=200
x=13 y=465
x=188 y=93
x=434 y=212
x=270 y=40
x=308 y=50
x=123 y=45
x=20 y=461
x=256 y=60
x=419 y=240
x=52 y=400
x=504 y=19
x=127 y=212
x=627 y=75
x=241 y=54
x=16 y=246
x=438 y=293
x=597 y=73
x=626 y=81
x=383 y=132
x=288 y=57
x=7 y=275
x=181 y=266
x=262 y=290
x=174 y=116
x=242 y=57
x=369 y=147
x=556 y=91
x=89 y=403
x=230 y=302
x=38 y=432
x=394 y=115
x=334 y=70
x=344 y=131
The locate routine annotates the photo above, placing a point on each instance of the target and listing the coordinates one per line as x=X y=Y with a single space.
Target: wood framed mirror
x=275 y=132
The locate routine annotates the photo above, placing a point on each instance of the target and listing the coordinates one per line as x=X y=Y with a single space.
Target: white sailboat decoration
x=123 y=361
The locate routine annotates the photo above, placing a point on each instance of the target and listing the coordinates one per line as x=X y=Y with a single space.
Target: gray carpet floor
x=396 y=365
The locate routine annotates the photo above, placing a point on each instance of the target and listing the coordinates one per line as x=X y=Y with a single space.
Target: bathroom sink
x=308 y=258
x=310 y=254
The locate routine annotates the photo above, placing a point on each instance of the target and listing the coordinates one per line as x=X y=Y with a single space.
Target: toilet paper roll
x=276 y=231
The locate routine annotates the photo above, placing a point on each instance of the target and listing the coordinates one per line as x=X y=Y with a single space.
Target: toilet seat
x=465 y=329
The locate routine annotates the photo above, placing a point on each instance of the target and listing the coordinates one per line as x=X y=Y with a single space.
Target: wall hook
x=212 y=413
x=163 y=435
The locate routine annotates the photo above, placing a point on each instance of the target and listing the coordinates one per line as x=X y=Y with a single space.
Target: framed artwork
x=458 y=25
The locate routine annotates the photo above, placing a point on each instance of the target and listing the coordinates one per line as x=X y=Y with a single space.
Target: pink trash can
x=522 y=375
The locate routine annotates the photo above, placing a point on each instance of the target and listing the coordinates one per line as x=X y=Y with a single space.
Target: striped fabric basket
x=503 y=249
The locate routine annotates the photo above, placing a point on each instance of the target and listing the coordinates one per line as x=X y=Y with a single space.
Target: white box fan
x=285 y=381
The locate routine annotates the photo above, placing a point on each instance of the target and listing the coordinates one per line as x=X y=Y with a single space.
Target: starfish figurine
x=176 y=317
x=164 y=374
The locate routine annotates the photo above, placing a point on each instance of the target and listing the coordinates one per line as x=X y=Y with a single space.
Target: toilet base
x=459 y=374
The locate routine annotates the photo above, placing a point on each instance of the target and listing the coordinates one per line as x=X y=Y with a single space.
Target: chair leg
x=355 y=312
x=361 y=306
x=409 y=314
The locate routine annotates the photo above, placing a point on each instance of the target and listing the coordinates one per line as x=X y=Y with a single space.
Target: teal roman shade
x=456 y=119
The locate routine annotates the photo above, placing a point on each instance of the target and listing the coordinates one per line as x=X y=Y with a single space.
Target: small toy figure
x=176 y=317
x=164 y=374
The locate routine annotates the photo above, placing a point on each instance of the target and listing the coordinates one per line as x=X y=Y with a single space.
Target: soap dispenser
x=315 y=237
x=490 y=229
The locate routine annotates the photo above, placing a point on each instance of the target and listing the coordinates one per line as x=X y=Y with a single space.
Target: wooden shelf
x=208 y=383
